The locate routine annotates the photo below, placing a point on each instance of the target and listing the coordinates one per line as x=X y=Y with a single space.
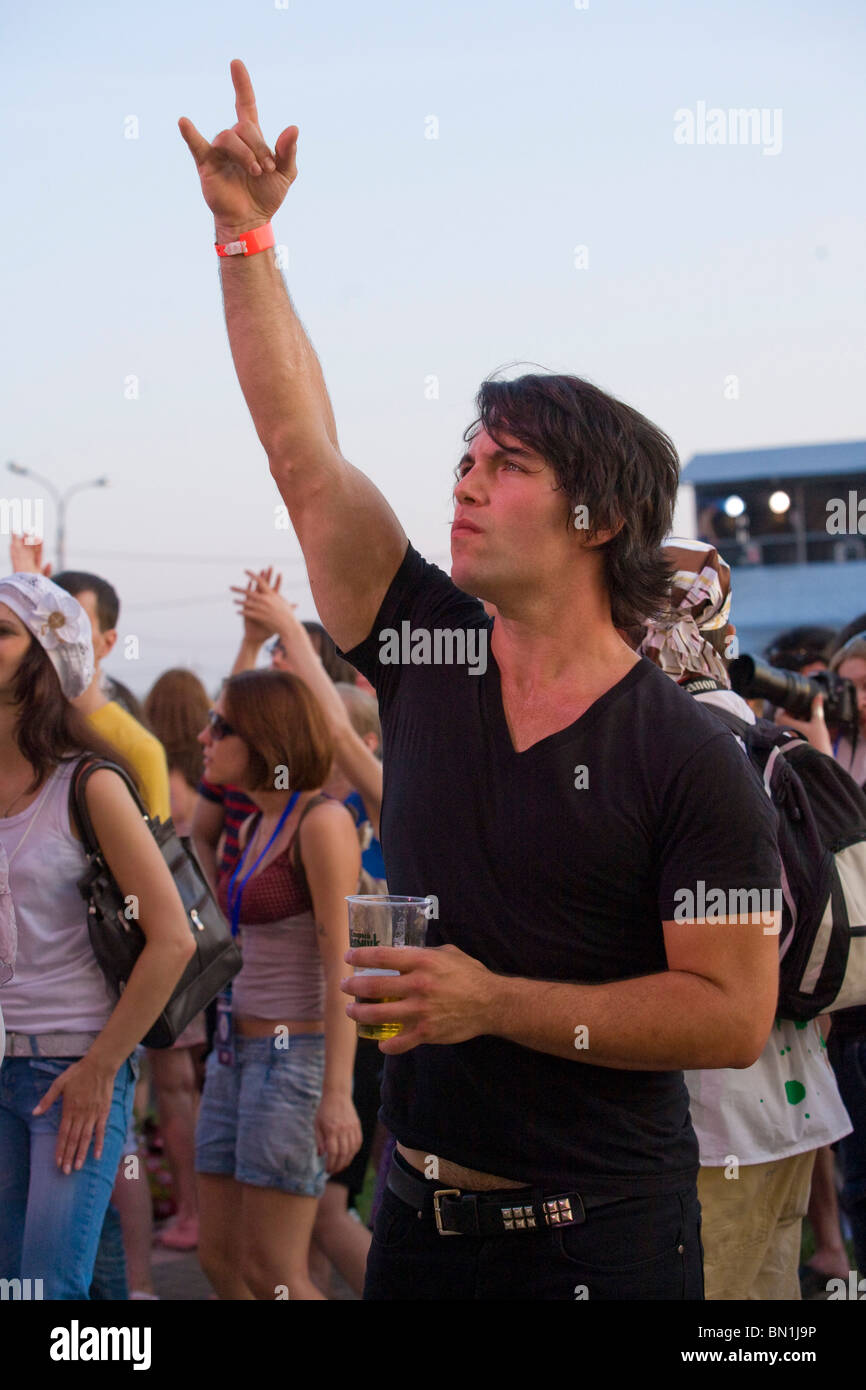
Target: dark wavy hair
x=77 y=582
x=607 y=457
x=49 y=727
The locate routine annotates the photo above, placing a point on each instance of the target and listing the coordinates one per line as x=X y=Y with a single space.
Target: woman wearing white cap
x=66 y=1083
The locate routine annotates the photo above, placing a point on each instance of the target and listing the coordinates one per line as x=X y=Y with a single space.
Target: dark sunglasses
x=218 y=726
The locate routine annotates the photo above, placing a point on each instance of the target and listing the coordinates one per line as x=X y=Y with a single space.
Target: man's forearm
x=664 y=1022
x=278 y=370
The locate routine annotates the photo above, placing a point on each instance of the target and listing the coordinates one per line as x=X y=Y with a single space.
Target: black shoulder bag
x=117 y=939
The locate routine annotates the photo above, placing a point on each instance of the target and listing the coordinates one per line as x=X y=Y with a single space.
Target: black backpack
x=822 y=843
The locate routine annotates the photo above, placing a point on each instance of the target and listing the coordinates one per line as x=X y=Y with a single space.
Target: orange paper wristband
x=260 y=239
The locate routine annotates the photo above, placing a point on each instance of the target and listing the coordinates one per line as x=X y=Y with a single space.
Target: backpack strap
x=733 y=721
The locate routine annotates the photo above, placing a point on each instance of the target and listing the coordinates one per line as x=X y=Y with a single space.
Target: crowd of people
x=268 y=1147
x=590 y=1088
x=251 y=1138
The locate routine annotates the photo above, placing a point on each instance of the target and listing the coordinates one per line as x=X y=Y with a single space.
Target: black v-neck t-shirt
x=542 y=878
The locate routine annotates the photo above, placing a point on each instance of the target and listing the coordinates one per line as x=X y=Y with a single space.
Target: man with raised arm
x=571 y=809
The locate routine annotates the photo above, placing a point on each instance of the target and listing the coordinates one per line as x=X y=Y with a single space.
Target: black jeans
x=639 y=1248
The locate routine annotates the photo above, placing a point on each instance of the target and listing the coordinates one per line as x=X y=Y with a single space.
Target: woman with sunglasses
x=276 y=1114
x=66 y=1082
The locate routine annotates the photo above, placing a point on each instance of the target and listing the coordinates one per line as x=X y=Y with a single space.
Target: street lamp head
x=16 y=467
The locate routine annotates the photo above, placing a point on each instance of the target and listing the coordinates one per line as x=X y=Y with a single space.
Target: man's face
x=510 y=524
x=102 y=641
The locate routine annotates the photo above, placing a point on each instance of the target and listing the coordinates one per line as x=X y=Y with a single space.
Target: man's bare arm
x=352 y=541
x=713 y=1007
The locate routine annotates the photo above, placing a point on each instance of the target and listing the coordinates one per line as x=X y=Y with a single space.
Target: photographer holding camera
x=808 y=695
x=806 y=651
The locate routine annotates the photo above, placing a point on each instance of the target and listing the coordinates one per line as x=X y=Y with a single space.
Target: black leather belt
x=459 y=1213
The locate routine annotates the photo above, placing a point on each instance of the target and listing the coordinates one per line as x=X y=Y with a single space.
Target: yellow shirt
x=144 y=752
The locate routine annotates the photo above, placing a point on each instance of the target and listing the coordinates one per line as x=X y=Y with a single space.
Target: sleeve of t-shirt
x=152 y=769
x=426 y=598
x=210 y=792
x=717 y=828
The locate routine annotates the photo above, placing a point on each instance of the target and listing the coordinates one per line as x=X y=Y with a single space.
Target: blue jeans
x=848 y=1058
x=50 y=1222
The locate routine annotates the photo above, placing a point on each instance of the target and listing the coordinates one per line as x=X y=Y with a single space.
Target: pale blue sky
x=410 y=257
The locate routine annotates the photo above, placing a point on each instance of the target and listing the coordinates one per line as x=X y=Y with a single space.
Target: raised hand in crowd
x=258 y=625
x=26 y=556
x=265 y=611
x=243 y=180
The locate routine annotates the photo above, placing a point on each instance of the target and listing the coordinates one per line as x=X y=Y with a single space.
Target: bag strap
x=78 y=811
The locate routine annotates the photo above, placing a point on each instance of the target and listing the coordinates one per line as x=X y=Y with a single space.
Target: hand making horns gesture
x=242 y=180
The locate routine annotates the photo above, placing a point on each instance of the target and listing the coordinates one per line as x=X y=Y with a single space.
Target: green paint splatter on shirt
x=799 y=1025
x=795 y=1091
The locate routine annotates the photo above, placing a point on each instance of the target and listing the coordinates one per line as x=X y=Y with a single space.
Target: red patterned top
x=279 y=890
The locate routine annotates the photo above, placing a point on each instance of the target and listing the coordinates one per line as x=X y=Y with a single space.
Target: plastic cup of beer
x=384 y=919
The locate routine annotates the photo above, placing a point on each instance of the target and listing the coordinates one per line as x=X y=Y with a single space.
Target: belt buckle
x=443 y=1192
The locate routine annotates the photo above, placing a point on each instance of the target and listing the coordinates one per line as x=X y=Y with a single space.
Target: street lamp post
x=60 y=501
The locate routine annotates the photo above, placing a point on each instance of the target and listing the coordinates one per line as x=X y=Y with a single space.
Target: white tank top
x=57 y=985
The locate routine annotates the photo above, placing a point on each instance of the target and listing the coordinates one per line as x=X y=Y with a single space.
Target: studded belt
x=458 y=1213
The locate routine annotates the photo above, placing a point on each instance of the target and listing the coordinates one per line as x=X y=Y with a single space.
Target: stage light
x=734 y=505
x=779 y=502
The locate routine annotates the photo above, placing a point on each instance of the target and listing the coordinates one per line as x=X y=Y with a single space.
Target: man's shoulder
x=123 y=729
x=425 y=595
x=673 y=714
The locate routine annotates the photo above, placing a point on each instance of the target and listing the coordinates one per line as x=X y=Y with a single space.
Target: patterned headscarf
x=700 y=601
x=59 y=624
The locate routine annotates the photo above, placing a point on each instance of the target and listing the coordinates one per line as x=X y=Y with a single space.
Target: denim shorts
x=256 y=1119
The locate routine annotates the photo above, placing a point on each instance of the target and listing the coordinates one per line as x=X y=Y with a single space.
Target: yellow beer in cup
x=385 y=919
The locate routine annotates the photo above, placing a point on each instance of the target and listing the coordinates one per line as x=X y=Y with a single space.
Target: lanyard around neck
x=235 y=902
